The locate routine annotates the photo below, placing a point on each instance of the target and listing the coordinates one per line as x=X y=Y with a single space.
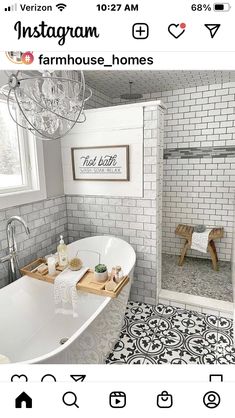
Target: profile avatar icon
x=211 y=399
x=19 y=57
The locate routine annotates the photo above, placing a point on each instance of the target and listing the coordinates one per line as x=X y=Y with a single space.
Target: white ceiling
x=115 y=83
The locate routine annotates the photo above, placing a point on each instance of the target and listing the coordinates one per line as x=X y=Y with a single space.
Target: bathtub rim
x=109 y=236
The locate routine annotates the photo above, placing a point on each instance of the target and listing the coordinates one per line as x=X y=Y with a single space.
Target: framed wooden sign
x=109 y=163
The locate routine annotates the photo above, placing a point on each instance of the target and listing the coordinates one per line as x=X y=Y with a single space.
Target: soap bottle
x=62 y=253
x=118 y=274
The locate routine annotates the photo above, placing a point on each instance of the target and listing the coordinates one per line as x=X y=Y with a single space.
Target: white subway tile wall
x=46 y=219
x=199 y=190
x=199 y=120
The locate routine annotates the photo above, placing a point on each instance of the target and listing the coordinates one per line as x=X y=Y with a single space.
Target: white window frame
x=34 y=189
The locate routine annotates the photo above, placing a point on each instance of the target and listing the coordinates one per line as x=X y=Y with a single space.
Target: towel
x=200 y=241
x=4 y=359
x=65 y=292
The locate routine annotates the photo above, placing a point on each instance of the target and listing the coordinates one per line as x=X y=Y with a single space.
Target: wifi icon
x=61 y=6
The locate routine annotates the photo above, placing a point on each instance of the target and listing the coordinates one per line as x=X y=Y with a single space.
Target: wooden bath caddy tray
x=86 y=284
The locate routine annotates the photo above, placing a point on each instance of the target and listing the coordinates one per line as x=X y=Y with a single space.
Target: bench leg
x=214 y=249
x=213 y=256
x=183 y=253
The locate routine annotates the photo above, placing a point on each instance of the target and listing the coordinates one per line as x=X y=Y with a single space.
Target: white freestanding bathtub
x=31 y=332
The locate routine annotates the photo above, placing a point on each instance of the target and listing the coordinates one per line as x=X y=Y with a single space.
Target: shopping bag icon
x=164 y=400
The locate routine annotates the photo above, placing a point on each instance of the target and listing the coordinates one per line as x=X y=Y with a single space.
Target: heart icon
x=19 y=377
x=176 y=30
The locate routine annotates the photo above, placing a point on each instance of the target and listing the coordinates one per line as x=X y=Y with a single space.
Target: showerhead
x=130 y=95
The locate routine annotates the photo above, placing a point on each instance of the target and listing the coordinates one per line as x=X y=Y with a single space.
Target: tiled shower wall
x=199 y=164
x=46 y=219
x=134 y=219
x=198 y=191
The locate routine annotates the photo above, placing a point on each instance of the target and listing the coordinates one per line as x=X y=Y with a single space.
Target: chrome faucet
x=12 y=257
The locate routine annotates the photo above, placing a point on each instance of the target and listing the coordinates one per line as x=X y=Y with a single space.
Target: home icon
x=23 y=400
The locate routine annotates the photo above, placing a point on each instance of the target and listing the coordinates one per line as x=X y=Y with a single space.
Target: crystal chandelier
x=47 y=104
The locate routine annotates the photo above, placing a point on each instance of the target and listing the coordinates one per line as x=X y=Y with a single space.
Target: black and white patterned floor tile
x=166 y=334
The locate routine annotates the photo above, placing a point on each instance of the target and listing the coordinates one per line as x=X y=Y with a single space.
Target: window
x=15 y=168
x=21 y=161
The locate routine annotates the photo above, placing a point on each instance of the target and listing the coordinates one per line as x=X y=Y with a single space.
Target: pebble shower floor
x=168 y=335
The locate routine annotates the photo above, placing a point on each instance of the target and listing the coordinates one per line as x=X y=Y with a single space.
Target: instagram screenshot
x=117 y=178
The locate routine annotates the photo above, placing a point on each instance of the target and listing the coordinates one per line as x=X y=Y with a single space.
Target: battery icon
x=222 y=7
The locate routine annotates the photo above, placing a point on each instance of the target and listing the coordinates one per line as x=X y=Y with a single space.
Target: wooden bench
x=186 y=231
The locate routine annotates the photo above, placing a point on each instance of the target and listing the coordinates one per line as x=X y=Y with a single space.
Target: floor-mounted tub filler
x=30 y=330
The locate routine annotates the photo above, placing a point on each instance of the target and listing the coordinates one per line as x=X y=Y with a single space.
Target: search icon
x=70 y=399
